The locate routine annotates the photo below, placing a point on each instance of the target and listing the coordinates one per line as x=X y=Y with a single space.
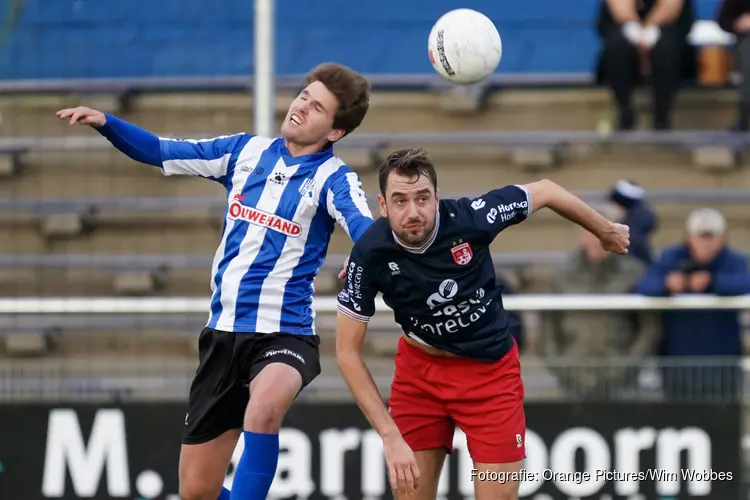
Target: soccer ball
x=464 y=46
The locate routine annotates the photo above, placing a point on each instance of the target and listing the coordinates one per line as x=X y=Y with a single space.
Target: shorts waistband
x=410 y=350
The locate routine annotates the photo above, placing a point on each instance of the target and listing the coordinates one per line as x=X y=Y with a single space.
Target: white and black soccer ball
x=464 y=46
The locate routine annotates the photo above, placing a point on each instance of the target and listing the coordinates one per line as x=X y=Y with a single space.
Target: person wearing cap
x=704 y=264
x=588 y=341
x=638 y=215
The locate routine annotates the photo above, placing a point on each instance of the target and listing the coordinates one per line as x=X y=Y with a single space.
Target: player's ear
x=335 y=134
x=381 y=205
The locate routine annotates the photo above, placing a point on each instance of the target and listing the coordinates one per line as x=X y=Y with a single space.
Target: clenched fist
x=616 y=238
x=83 y=116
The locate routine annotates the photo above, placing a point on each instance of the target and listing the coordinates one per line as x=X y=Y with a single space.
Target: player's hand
x=699 y=281
x=83 y=116
x=616 y=238
x=402 y=466
x=675 y=282
x=342 y=273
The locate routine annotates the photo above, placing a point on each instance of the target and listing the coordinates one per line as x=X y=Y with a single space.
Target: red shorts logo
x=260 y=218
x=462 y=254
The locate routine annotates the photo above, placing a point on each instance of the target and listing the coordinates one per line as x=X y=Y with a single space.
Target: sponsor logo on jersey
x=507 y=212
x=238 y=211
x=462 y=253
x=451 y=316
x=354 y=282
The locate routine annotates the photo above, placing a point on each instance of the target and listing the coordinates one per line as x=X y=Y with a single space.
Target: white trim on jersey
x=352 y=314
x=427 y=243
x=528 y=198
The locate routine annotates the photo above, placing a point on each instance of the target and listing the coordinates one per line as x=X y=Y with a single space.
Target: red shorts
x=430 y=395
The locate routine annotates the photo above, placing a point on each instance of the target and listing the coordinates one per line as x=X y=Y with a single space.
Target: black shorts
x=228 y=362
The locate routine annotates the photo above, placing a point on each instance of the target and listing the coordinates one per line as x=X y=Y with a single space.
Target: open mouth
x=295 y=119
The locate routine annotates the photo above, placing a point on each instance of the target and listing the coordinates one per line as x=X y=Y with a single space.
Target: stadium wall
x=649 y=450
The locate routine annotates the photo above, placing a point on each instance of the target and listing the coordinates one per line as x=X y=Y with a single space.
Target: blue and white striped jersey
x=280 y=215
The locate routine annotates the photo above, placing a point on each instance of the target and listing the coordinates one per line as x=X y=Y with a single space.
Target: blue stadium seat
x=146 y=39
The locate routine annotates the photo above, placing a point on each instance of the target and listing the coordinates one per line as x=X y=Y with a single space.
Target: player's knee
x=265 y=419
x=197 y=488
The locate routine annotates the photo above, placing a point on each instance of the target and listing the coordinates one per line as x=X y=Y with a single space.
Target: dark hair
x=351 y=89
x=410 y=163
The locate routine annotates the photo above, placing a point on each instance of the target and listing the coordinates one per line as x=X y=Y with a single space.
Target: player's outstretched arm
x=545 y=193
x=402 y=466
x=206 y=158
x=139 y=144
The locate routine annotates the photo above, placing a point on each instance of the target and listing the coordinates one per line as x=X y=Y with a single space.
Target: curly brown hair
x=351 y=89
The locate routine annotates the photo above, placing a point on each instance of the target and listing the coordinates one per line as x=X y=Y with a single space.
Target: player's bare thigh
x=203 y=466
x=497 y=481
x=430 y=464
x=272 y=392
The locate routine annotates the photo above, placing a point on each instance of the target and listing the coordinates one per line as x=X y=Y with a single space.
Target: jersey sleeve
x=498 y=209
x=207 y=158
x=347 y=203
x=357 y=298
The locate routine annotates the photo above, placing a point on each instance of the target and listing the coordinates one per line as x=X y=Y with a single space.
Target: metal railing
x=684 y=379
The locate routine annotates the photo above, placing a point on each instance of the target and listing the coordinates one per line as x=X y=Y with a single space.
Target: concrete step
x=460 y=172
x=45 y=182
x=220 y=113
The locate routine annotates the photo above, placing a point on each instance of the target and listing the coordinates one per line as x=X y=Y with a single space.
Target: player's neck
x=303 y=149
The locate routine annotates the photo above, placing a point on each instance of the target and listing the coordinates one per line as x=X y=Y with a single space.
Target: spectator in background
x=638 y=215
x=645 y=40
x=704 y=264
x=734 y=17
x=597 y=353
x=516 y=328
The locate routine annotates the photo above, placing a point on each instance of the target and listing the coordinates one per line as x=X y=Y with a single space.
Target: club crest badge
x=462 y=253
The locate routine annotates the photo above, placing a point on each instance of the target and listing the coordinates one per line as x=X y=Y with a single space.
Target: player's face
x=410 y=205
x=309 y=120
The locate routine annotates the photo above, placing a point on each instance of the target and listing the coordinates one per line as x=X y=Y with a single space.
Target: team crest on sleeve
x=461 y=252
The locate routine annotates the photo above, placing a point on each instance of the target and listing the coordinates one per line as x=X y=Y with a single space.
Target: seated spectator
x=638 y=215
x=734 y=17
x=645 y=40
x=600 y=350
x=704 y=264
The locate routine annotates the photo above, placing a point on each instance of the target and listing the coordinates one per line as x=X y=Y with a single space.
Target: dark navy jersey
x=443 y=294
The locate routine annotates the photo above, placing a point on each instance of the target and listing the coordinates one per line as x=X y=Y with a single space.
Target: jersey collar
x=427 y=243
